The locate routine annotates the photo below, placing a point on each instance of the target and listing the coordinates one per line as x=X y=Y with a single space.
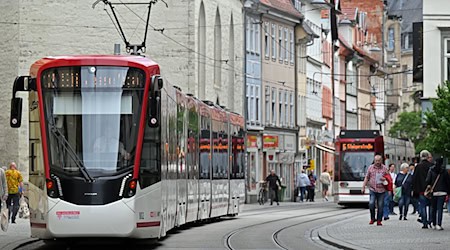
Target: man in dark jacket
x=272 y=180
x=439 y=181
x=419 y=186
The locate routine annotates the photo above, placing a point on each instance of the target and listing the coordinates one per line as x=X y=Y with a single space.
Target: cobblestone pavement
x=394 y=234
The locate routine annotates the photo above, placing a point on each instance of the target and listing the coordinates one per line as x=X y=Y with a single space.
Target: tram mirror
x=16 y=112
x=154 y=101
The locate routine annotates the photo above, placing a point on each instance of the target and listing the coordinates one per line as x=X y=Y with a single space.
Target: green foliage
x=438 y=122
x=408 y=127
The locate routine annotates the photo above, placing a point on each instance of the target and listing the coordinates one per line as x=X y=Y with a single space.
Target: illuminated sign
x=270 y=141
x=357 y=147
x=92 y=77
x=252 y=141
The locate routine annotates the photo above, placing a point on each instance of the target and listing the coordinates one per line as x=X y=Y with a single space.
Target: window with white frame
x=280 y=107
x=251 y=114
x=257 y=105
x=248 y=35
x=247 y=95
x=267 y=102
x=280 y=43
x=286 y=109
x=266 y=40
x=291 y=98
x=274 y=42
x=274 y=108
x=291 y=38
x=391 y=39
x=286 y=46
x=252 y=35
x=257 y=37
x=447 y=59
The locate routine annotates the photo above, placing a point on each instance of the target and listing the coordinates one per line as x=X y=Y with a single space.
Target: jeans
x=13 y=206
x=302 y=193
x=437 y=208
x=415 y=204
x=423 y=204
x=387 y=202
x=379 y=199
x=403 y=205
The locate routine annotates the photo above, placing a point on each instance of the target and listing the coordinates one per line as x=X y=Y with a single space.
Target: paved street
x=349 y=233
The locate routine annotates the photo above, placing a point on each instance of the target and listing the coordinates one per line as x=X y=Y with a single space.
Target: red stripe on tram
x=148 y=224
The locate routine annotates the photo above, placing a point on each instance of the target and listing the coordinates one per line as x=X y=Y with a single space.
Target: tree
x=438 y=122
x=409 y=126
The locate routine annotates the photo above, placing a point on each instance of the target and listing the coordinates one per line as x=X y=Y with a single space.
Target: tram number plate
x=355 y=191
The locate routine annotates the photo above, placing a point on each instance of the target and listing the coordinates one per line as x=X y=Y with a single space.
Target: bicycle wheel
x=261 y=197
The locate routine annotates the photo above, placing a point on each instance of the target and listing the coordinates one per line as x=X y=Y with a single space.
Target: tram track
x=275 y=238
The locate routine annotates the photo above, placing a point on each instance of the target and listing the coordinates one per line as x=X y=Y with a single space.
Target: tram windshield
x=354 y=165
x=92 y=115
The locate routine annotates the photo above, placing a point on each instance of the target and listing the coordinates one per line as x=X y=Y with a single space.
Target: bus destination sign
x=354 y=146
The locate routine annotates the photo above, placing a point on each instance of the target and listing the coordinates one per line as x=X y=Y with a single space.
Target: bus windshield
x=354 y=165
x=92 y=118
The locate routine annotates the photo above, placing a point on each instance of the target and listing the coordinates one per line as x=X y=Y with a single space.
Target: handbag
x=398 y=190
x=429 y=190
x=4 y=217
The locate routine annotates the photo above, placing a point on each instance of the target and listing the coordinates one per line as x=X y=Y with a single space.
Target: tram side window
x=181 y=150
x=237 y=166
x=150 y=170
x=205 y=148
x=224 y=153
x=192 y=142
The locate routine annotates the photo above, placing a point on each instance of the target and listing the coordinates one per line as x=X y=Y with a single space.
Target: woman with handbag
x=439 y=181
x=404 y=182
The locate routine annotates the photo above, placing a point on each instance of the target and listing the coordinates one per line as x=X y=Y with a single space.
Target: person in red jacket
x=387 y=195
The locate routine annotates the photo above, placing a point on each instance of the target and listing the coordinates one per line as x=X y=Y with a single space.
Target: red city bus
x=355 y=151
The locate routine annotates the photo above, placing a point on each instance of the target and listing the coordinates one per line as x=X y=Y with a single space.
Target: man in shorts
x=325 y=179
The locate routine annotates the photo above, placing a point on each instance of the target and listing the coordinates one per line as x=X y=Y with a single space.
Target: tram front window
x=354 y=165
x=92 y=115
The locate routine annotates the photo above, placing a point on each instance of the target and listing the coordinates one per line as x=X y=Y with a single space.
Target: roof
x=284 y=6
x=363 y=53
x=409 y=10
x=309 y=30
x=350 y=12
x=107 y=60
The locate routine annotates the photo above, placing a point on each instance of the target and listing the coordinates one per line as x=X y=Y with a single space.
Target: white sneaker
x=438 y=227
x=326 y=198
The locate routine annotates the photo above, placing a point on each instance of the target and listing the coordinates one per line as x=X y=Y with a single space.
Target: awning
x=325 y=148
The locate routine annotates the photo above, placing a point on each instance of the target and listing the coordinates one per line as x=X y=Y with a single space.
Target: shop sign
x=286 y=157
x=270 y=141
x=252 y=141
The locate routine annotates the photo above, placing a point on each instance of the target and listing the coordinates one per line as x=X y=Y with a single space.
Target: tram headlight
x=52 y=191
x=343 y=184
x=130 y=188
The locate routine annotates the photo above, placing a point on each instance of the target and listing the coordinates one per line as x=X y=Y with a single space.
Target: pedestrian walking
x=325 y=180
x=302 y=183
x=14 y=180
x=3 y=187
x=272 y=179
x=391 y=203
x=311 y=187
x=419 y=185
x=374 y=177
x=404 y=180
x=439 y=181
x=389 y=186
x=414 y=201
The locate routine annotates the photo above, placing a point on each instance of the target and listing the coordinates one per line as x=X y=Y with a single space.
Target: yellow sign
x=357 y=146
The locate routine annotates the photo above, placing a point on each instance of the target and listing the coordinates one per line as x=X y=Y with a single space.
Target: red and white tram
x=117 y=152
